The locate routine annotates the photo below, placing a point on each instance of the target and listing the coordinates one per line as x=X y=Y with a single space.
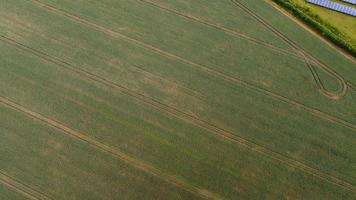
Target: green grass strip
x=320 y=25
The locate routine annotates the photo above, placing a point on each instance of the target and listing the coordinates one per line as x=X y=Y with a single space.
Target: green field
x=167 y=99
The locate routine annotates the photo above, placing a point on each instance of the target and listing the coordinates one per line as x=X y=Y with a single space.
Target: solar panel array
x=334 y=6
x=350 y=1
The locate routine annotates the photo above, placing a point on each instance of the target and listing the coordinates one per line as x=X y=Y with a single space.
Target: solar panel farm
x=171 y=99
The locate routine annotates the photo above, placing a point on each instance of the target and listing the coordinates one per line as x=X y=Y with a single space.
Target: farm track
x=240 y=35
x=202 y=193
x=309 y=59
x=194 y=120
x=21 y=188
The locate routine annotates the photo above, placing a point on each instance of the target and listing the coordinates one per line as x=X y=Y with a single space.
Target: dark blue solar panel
x=350 y=1
x=335 y=6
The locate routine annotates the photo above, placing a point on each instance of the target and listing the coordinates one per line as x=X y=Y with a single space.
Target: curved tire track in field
x=309 y=59
x=202 y=193
x=316 y=77
x=320 y=84
x=240 y=35
x=191 y=119
x=203 y=68
x=21 y=188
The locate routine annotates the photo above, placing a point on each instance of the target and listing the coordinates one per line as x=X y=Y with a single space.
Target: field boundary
x=319 y=25
x=201 y=123
x=21 y=188
x=140 y=165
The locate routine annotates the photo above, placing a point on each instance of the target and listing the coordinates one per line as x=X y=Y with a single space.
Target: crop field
x=171 y=99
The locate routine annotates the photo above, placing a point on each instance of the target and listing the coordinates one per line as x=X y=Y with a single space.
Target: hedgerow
x=320 y=25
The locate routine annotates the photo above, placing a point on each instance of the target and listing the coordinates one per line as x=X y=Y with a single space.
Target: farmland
x=167 y=99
